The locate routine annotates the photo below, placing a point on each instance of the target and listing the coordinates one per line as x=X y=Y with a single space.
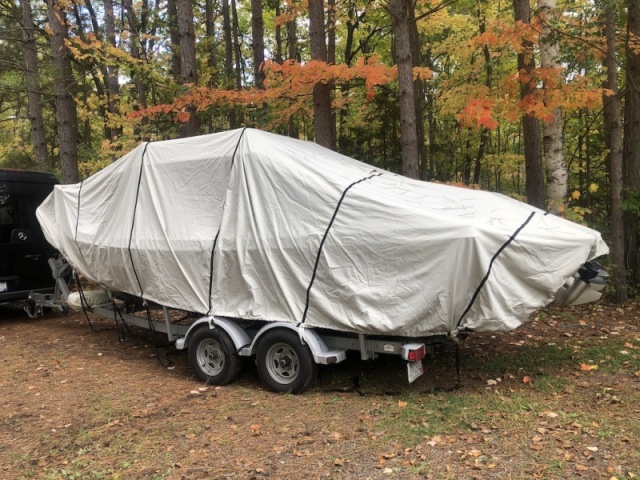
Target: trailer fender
x=319 y=350
x=236 y=332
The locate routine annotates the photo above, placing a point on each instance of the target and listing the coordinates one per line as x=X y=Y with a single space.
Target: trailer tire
x=213 y=356
x=284 y=364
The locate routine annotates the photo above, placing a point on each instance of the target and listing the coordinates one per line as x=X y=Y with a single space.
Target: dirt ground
x=557 y=398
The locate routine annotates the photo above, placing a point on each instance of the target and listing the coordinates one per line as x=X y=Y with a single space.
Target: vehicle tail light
x=414 y=351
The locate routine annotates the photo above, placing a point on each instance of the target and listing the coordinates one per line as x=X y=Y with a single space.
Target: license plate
x=3 y=287
x=414 y=370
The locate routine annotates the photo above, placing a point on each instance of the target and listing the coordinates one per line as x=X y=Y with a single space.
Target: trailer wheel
x=285 y=365
x=213 y=356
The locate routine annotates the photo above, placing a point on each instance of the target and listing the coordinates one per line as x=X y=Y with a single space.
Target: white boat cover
x=253 y=225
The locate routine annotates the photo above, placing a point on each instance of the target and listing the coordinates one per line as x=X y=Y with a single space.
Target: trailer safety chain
x=136 y=339
x=121 y=324
x=152 y=328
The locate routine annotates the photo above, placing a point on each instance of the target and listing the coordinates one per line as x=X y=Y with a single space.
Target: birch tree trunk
x=557 y=174
x=66 y=116
x=534 y=186
x=400 y=15
x=34 y=98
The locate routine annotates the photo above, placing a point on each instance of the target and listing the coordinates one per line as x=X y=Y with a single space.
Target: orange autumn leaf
x=478 y=112
x=587 y=368
x=182 y=117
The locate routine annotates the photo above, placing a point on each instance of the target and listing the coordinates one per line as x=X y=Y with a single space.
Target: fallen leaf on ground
x=587 y=368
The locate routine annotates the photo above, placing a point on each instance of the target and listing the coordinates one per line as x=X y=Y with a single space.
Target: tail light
x=414 y=351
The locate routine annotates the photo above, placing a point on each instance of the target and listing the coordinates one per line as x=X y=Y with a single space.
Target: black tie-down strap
x=495 y=256
x=324 y=238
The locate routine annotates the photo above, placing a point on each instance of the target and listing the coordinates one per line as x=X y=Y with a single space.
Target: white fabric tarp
x=253 y=225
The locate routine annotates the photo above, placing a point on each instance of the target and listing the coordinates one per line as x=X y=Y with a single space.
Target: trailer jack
x=37 y=302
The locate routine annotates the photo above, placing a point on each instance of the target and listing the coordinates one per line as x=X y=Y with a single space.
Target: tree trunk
x=400 y=15
x=488 y=69
x=66 y=116
x=174 y=35
x=237 y=52
x=631 y=146
x=210 y=30
x=352 y=23
x=257 y=32
x=534 y=186
x=135 y=52
x=188 y=59
x=95 y=68
x=613 y=142
x=228 y=57
x=322 y=117
x=552 y=140
x=112 y=71
x=292 y=54
x=418 y=88
x=292 y=40
x=431 y=125
x=278 y=34
x=34 y=98
x=331 y=32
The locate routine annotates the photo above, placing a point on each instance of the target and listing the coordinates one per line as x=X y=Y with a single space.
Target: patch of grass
x=550 y=384
x=75 y=473
x=609 y=356
x=527 y=359
x=454 y=412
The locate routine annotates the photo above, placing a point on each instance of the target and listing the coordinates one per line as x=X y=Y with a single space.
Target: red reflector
x=417 y=354
x=331 y=360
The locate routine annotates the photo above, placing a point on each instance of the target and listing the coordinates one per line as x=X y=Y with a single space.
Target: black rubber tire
x=284 y=364
x=213 y=356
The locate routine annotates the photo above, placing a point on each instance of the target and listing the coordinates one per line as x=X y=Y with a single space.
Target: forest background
x=538 y=100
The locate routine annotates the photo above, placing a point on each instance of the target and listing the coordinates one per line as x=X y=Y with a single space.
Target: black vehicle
x=24 y=251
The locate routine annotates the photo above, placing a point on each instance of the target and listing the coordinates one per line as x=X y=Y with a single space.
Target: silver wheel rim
x=283 y=363
x=210 y=357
